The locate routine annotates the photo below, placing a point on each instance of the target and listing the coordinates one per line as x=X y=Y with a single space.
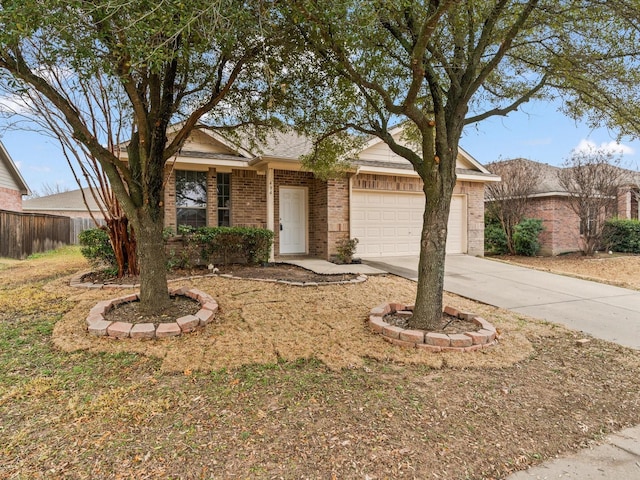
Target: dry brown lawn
x=289 y=383
x=615 y=269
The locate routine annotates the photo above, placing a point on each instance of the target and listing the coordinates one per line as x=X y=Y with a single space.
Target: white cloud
x=587 y=146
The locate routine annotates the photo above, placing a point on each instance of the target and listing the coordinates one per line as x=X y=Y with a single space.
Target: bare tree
x=508 y=199
x=591 y=178
x=47 y=189
x=107 y=117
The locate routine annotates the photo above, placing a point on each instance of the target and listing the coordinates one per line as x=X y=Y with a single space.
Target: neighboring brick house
x=12 y=185
x=550 y=203
x=67 y=204
x=213 y=181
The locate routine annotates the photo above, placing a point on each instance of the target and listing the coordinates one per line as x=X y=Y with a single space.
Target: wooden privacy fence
x=22 y=234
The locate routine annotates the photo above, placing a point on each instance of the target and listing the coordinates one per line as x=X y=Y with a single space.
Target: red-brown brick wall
x=628 y=202
x=10 y=200
x=474 y=192
x=170 y=219
x=337 y=214
x=367 y=181
x=561 y=225
x=248 y=199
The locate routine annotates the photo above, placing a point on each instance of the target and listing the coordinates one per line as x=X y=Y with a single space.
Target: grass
x=122 y=414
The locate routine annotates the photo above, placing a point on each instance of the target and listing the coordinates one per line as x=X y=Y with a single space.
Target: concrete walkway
x=603 y=311
x=327 y=268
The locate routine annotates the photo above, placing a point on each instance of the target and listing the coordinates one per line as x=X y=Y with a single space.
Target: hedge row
x=218 y=245
x=620 y=235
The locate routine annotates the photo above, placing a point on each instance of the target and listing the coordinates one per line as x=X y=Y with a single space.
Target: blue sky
x=537 y=132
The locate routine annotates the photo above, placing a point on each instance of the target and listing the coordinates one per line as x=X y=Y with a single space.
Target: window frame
x=200 y=211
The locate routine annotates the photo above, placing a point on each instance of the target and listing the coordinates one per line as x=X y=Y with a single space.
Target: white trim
x=209 y=162
x=477 y=178
x=401 y=172
x=270 y=208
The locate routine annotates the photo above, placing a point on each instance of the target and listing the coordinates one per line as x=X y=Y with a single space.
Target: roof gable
x=11 y=170
x=376 y=150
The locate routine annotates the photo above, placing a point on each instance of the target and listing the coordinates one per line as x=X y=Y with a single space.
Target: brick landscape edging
x=76 y=281
x=434 y=342
x=97 y=324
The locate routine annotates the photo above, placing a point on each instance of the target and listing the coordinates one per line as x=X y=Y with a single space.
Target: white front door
x=293 y=220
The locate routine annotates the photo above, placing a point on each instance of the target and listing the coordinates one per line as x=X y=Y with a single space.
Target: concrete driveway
x=603 y=311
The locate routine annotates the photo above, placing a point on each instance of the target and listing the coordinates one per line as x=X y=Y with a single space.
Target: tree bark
x=427 y=312
x=124 y=245
x=154 y=293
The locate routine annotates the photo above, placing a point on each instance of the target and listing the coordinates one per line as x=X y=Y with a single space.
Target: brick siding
x=474 y=192
x=248 y=199
x=170 y=219
x=561 y=232
x=628 y=202
x=10 y=200
x=337 y=214
x=327 y=208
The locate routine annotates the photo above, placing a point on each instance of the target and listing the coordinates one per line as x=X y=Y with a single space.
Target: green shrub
x=621 y=235
x=346 y=249
x=191 y=247
x=525 y=236
x=233 y=244
x=495 y=240
x=97 y=248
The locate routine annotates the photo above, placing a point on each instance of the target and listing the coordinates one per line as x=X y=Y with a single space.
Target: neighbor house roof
x=549 y=185
x=12 y=169
x=70 y=201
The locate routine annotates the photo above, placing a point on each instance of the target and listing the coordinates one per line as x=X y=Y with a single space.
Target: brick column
x=212 y=198
x=170 y=219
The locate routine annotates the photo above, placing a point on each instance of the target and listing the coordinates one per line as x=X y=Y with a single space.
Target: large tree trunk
x=427 y=313
x=154 y=293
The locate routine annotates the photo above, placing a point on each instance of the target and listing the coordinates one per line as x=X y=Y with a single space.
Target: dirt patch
x=448 y=323
x=274 y=271
x=129 y=312
x=615 y=269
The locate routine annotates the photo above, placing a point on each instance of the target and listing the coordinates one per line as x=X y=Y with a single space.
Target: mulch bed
x=275 y=271
x=179 y=306
x=448 y=323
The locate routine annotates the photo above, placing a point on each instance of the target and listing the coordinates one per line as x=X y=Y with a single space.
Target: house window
x=588 y=223
x=224 y=199
x=191 y=198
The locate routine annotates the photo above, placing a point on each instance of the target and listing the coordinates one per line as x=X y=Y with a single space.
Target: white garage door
x=389 y=223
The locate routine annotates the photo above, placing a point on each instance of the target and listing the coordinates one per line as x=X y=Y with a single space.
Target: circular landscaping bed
x=117 y=318
x=389 y=320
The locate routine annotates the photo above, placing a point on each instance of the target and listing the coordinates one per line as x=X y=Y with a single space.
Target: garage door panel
x=390 y=223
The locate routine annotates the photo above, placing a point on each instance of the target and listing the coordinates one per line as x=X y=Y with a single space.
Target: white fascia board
x=208 y=162
x=477 y=178
x=398 y=172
